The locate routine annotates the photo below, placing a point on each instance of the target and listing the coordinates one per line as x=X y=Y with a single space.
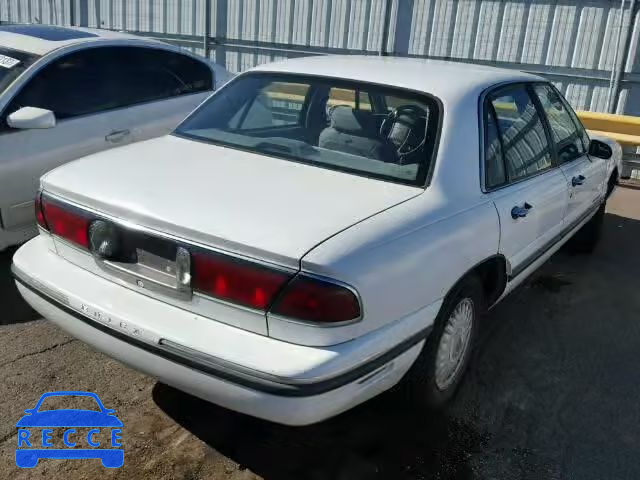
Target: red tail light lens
x=236 y=281
x=314 y=300
x=65 y=222
x=39 y=213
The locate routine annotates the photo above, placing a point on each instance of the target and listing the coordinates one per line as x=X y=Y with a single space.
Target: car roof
x=42 y=39
x=447 y=80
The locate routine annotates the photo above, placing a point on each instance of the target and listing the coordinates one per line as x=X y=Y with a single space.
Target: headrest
x=345 y=119
x=406 y=126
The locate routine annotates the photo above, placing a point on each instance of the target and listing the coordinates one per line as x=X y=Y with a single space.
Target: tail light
x=236 y=281
x=310 y=299
x=64 y=221
x=253 y=285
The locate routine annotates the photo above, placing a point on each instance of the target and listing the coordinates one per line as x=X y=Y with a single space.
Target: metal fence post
x=385 y=27
x=207 y=27
x=621 y=59
x=80 y=13
x=221 y=32
x=403 y=27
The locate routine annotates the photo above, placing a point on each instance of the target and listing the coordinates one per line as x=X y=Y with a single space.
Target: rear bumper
x=289 y=399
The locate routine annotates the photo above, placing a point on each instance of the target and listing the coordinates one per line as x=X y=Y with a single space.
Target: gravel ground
x=552 y=393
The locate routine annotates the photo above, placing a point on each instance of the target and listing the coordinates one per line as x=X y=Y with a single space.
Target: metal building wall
x=572 y=42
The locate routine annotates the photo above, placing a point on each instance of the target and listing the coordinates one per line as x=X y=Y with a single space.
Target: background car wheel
x=586 y=239
x=438 y=371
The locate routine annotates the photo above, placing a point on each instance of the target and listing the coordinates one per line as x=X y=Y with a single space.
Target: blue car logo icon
x=31 y=447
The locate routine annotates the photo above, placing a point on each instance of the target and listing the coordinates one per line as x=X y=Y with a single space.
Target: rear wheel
x=438 y=371
x=586 y=239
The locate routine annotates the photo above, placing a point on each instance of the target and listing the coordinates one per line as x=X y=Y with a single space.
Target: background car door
x=529 y=193
x=584 y=175
x=74 y=89
x=102 y=97
x=159 y=88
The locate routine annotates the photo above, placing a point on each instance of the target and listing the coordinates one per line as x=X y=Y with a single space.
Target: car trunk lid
x=254 y=205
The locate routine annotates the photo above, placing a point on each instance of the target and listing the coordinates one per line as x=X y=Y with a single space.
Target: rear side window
x=564 y=131
x=523 y=142
x=116 y=77
x=494 y=161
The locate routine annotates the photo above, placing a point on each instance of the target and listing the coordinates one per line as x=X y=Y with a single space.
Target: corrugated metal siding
x=40 y=11
x=571 y=41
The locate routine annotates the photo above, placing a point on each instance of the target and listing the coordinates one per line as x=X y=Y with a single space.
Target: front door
x=529 y=193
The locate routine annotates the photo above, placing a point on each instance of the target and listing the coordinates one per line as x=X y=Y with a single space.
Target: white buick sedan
x=317 y=231
x=69 y=92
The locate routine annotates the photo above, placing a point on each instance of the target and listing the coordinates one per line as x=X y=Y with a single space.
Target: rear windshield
x=12 y=64
x=362 y=128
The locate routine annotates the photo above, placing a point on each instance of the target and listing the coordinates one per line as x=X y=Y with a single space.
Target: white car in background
x=306 y=238
x=69 y=92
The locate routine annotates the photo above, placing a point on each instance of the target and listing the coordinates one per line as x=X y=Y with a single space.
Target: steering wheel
x=400 y=131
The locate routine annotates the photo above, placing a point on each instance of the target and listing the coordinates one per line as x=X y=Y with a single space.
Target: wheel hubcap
x=454 y=344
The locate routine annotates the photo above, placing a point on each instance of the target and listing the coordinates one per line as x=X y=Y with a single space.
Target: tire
x=423 y=385
x=611 y=184
x=586 y=239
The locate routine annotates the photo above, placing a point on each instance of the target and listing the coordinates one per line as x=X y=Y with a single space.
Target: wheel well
x=614 y=175
x=493 y=275
x=612 y=181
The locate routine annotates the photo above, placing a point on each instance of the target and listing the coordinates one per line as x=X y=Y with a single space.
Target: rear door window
x=147 y=74
x=523 y=140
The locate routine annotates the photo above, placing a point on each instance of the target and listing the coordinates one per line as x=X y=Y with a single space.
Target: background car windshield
x=366 y=129
x=9 y=69
x=62 y=402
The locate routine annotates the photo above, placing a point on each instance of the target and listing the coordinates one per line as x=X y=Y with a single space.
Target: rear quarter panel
x=407 y=258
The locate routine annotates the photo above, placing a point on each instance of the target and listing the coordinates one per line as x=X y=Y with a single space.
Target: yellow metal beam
x=607 y=122
x=621 y=138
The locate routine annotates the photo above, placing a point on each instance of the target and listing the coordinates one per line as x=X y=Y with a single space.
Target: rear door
x=529 y=193
x=159 y=88
x=584 y=175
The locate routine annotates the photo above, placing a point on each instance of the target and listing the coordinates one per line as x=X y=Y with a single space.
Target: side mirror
x=29 y=410
x=31 y=117
x=600 y=149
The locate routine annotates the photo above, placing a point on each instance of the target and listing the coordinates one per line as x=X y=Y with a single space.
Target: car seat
x=355 y=132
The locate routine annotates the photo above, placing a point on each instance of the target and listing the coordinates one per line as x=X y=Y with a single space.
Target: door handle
x=521 y=212
x=577 y=180
x=117 y=136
